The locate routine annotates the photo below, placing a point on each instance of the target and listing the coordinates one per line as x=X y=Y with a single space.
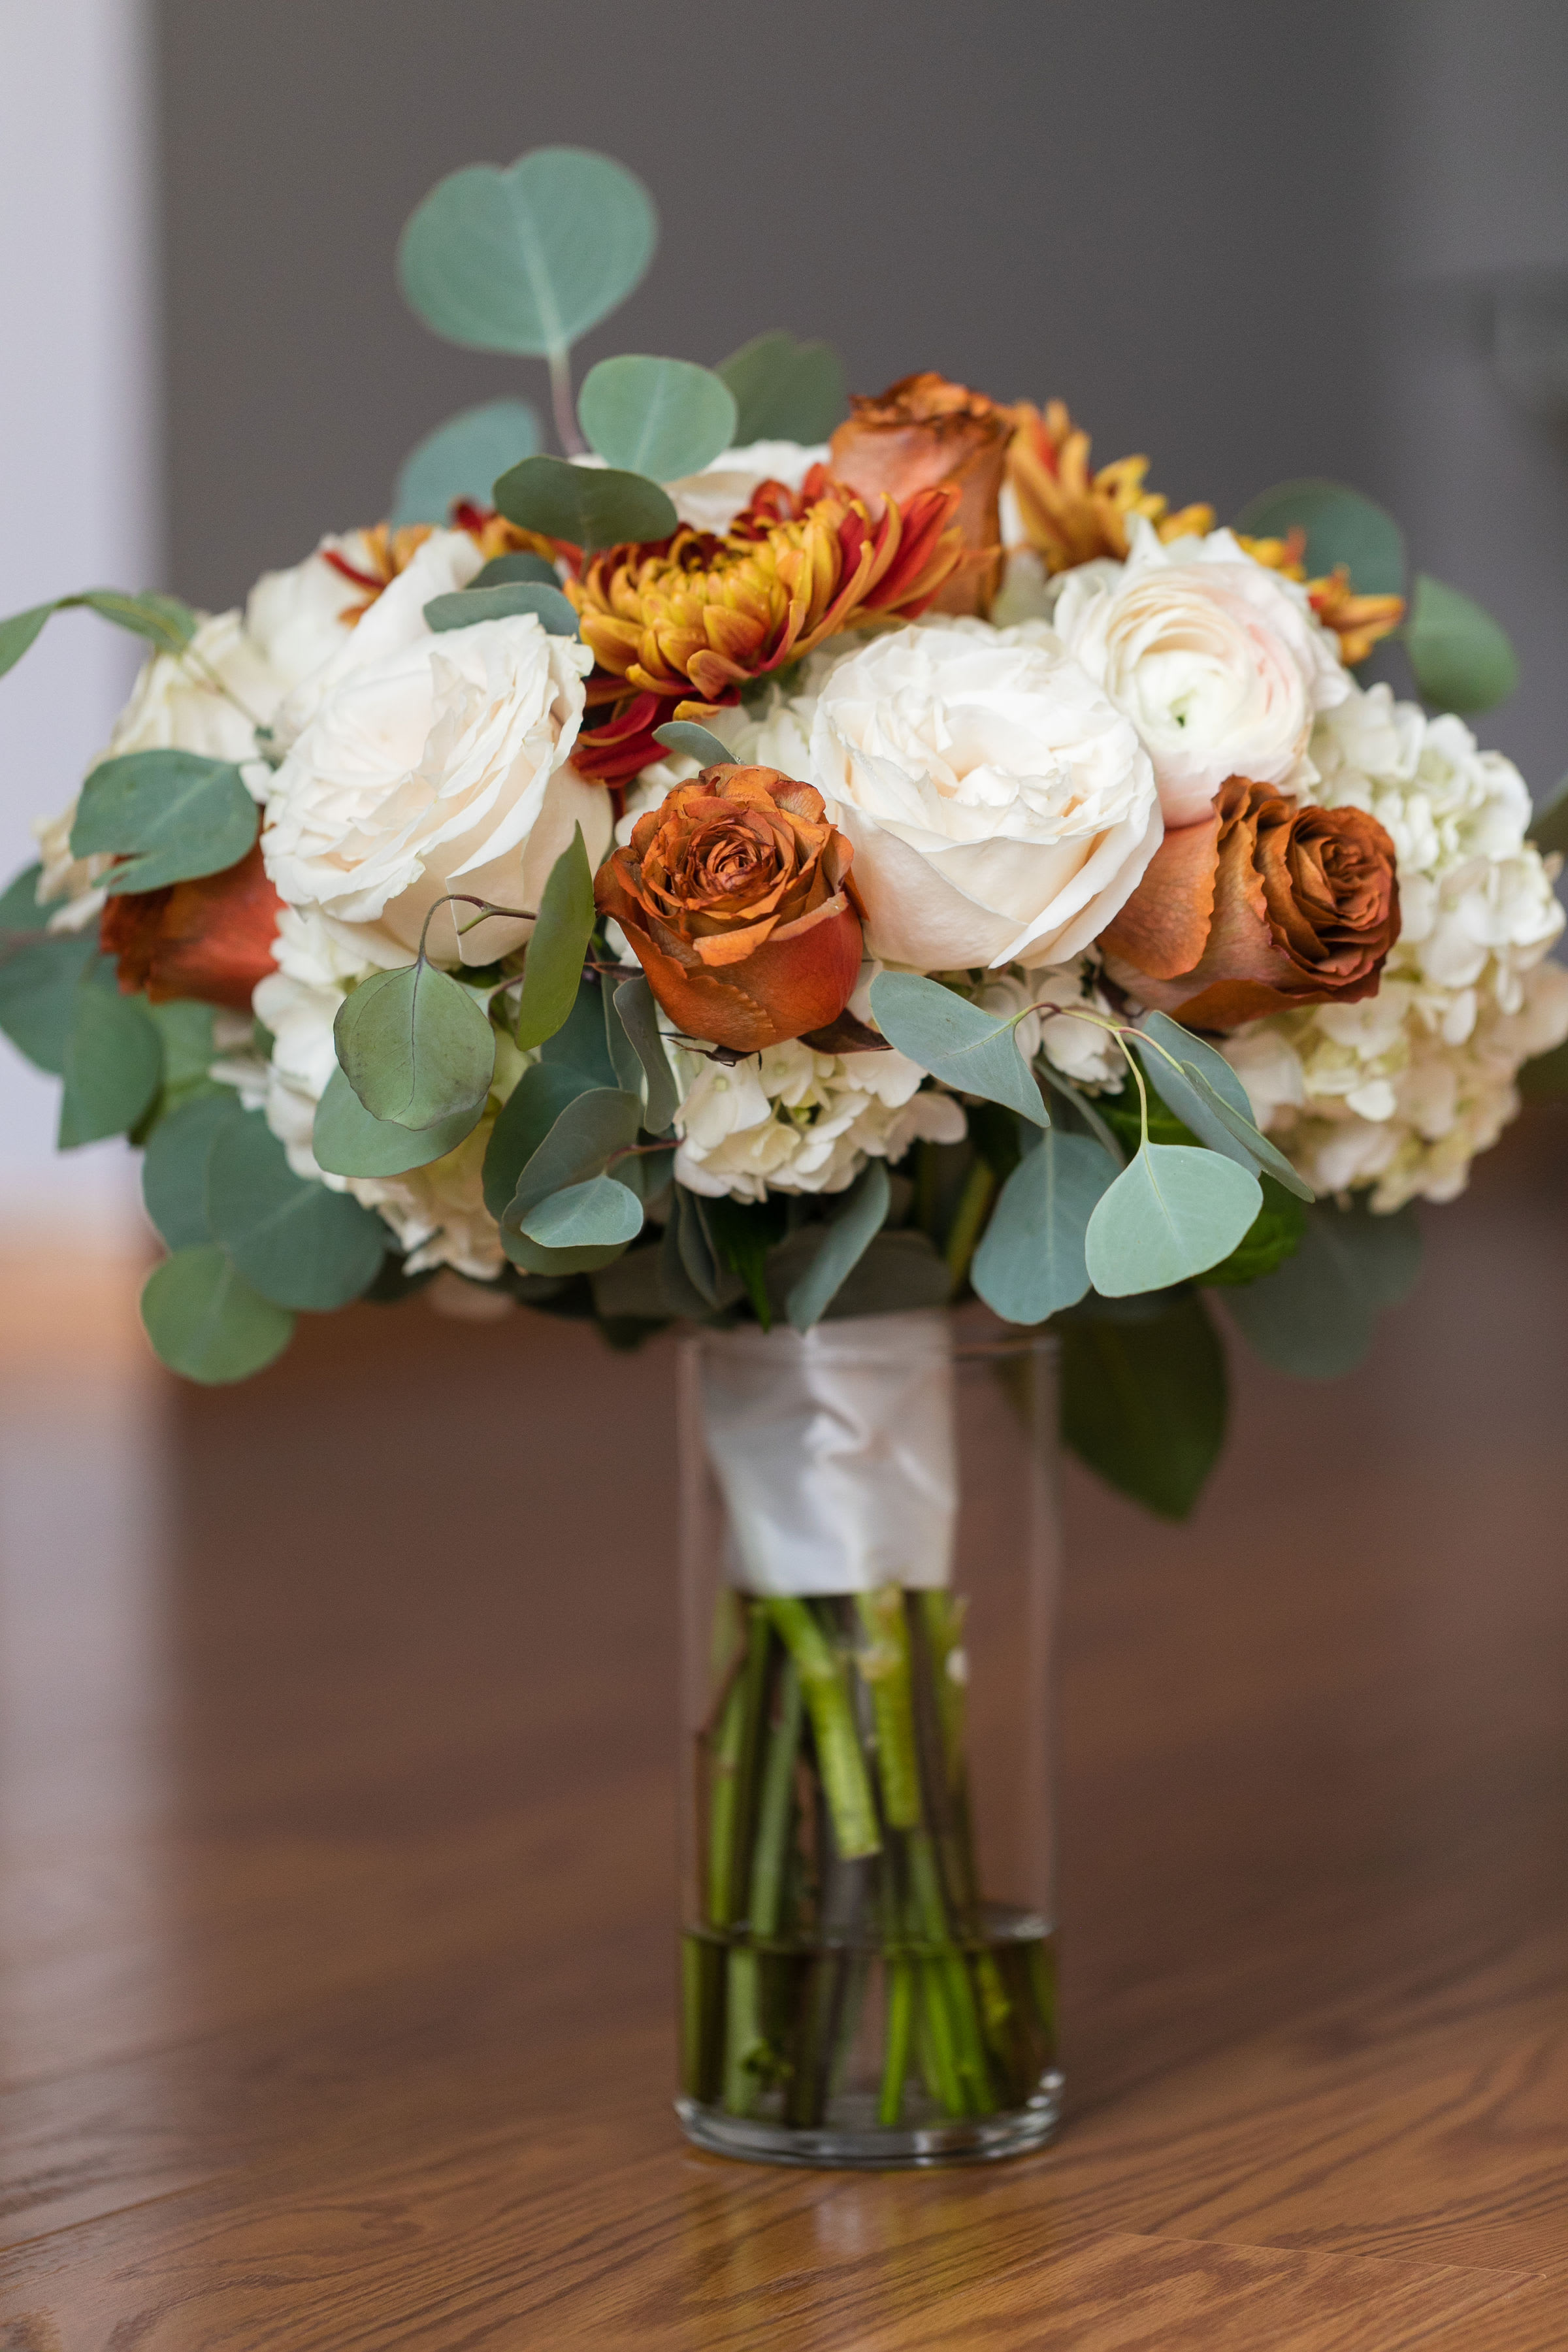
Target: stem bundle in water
x=847 y=1968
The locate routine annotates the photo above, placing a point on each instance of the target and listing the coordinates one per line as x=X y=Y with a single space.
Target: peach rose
x=922 y=434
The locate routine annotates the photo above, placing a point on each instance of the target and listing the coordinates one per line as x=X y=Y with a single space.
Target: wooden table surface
x=336 y=1814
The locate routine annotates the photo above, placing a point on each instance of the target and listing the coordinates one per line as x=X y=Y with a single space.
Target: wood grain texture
x=336 y=1814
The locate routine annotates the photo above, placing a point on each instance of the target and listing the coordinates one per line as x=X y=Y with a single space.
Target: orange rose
x=927 y=434
x=211 y=939
x=735 y=894
x=1267 y=904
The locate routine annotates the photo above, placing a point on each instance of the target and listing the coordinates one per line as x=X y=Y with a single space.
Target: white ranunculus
x=1001 y=810
x=1220 y=664
x=430 y=764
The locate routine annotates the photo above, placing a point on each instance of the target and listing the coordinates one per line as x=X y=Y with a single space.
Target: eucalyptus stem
x=823 y=1683
x=969 y=1218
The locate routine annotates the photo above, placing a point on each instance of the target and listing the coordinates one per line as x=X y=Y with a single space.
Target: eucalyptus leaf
x=184 y=1026
x=174 y=1167
x=528 y=259
x=416 y=1046
x=1208 y=1097
x=785 y=390
x=587 y=506
x=975 y=1051
x=21 y=916
x=845 y=1238
x=165 y=621
x=1548 y=829
x=630 y=1289
x=1171 y=1213
x=1083 y=1108
x=898 y=1274
x=638 y=1011
x=583 y=1044
x=1030 y=1262
x=503 y=571
x=1341 y=526
x=347 y=1141
x=38 y=995
x=460 y=608
x=699 y=743
x=18 y=631
x=553 y=966
x=293 y=1241
x=1145 y=1401
x=597 y=1213
x=113 y=1061
x=1316 y=1315
x=1462 y=659
x=461 y=459
x=170 y=815
x=664 y=418
x=523 y=1121
x=205 y=1322
x=589 y=1130
x=624 y=1060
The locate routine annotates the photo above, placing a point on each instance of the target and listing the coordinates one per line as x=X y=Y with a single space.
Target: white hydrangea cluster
x=1401 y=1091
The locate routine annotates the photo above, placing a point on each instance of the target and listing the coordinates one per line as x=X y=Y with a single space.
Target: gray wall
x=1203 y=222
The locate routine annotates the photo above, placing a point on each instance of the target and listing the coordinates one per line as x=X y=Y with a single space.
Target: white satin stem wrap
x=837 y=1451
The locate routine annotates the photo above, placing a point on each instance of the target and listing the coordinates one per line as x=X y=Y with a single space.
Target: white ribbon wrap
x=837 y=1450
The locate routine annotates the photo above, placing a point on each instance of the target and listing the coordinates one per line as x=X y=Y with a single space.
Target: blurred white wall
x=79 y=495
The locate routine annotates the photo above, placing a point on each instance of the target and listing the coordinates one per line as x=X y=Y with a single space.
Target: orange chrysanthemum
x=1071 y=515
x=387 y=552
x=1358 y=622
x=679 y=627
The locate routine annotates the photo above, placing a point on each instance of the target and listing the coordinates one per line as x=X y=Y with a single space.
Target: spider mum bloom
x=1070 y=515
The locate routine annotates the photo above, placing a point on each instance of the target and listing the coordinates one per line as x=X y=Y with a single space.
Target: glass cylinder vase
x=871 y=1550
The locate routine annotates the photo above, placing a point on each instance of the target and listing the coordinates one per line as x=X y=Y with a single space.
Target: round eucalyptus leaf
x=113 y=1061
x=174 y=1169
x=460 y=608
x=504 y=571
x=205 y=1322
x=1030 y=1262
x=699 y=743
x=975 y=1051
x=169 y=816
x=1174 y=1211
x=294 y=1241
x=461 y=459
x=347 y=1141
x=1341 y=526
x=589 y=506
x=1462 y=659
x=595 y=1214
x=528 y=259
x=659 y=417
x=785 y=390
x=416 y=1046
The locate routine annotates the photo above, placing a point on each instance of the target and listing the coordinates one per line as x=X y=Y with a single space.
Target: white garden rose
x=1220 y=664
x=300 y=617
x=1001 y=810
x=434 y=763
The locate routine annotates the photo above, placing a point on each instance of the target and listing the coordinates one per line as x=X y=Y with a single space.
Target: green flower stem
x=885 y=1668
x=770 y=1855
x=744 y=2043
x=734 y=1771
x=823 y=1683
x=900 y=1999
x=969 y=1217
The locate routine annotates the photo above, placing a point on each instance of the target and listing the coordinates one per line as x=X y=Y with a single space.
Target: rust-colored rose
x=212 y=938
x=927 y=434
x=1266 y=904
x=735 y=894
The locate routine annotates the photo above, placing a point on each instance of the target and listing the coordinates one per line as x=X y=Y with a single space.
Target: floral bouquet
x=786 y=861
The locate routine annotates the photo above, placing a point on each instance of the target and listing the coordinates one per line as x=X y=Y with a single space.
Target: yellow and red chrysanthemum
x=1358 y=622
x=1071 y=515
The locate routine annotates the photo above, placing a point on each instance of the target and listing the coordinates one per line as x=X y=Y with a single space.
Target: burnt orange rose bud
x=927 y=434
x=212 y=938
x=1267 y=904
x=735 y=894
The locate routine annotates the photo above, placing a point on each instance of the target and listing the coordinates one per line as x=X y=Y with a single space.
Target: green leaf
x=1341 y=526
x=1171 y=1212
x=524 y=1119
x=595 y=1214
x=1208 y=1097
x=664 y=418
x=21 y=917
x=174 y=1167
x=590 y=1129
x=898 y=1274
x=185 y=1028
x=845 y=1241
x=295 y=1242
x=590 y=506
x=501 y=571
x=785 y=390
x=553 y=966
x=347 y=1141
x=1143 y=1402
x=973 y=1051
x=1462 y=659
x=172 y=815
x=165 y=621
x=18 y=631
x=528 y=259
x=699 y=743
x=205 y=1322
x=1548 y=826
x=113 y=1061
x=583 y=1045
x=461 y=459
x=742 y=1233
x=1316 y=1315
x=38 y=995
x=1274 y=1234
x=416 y=1047
x=624 y=1060
x=638 y=1011
x=461 y=607
x=1030 y=1262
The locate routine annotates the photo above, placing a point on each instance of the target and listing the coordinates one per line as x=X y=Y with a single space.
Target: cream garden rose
x=1219 y=663
x=1001 y=810
x=428 y=762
